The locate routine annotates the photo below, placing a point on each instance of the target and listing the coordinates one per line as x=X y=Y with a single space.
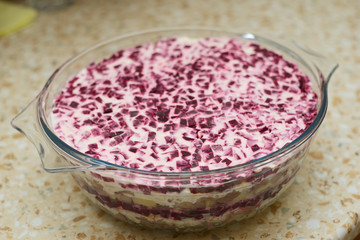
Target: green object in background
x=13 y=17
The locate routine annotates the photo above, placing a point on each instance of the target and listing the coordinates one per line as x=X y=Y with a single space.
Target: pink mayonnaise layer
x=184 y=104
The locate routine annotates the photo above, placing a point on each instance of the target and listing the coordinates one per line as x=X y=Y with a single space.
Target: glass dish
x=187 y=201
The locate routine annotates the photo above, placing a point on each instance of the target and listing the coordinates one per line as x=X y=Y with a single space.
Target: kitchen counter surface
x=324 y=201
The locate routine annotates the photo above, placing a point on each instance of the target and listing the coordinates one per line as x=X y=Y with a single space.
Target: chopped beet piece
x=154 y=155
x=113 y=134
x=196 y=157
x=302 y=83
x=88 y=122
x=134 y=165
x=107 y=110
x=95 y=132
x=136 y=123
x=163 y=115
x=164 y=147
x=138 y=99
x=204 y=168
x=183 y=122
x=210 y=122
x=93 y=146
x=192 y=112
x=169 y=139
x=168 y=127
x=237 y=142
x=209 y=155
x=185 y=153
x=133 y=149
x=178 y=108
x=217 y=159
x=191 y=123
x=133 y=113
x=194 y=164
x=226 y=161
x=192 y=102
x=267 y=91
x=99 y=99
x=188 y=138
x=206 y=149
x=264 y=129
x=183 y=165
x=90 y=152
x=150 y=165
x=140 y=117
x=233 y=123
x=255 y=148
x=152 y=124
x=74 y=104
x=175 y=154
x=151 y=136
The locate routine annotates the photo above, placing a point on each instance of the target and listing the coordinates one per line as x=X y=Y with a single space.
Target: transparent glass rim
x=101 y=164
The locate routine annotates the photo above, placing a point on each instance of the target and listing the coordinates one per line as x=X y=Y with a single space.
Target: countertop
x=324 y=201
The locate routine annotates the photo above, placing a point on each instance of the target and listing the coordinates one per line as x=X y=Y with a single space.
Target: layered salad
x=185 y=105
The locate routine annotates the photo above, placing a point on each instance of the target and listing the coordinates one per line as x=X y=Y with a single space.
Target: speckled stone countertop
x=324 y=201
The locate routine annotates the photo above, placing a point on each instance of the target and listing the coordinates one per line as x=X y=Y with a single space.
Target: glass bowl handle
x=53 y=161
x=325 y=66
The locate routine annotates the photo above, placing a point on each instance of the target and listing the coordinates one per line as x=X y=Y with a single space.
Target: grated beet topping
x=184 y=104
